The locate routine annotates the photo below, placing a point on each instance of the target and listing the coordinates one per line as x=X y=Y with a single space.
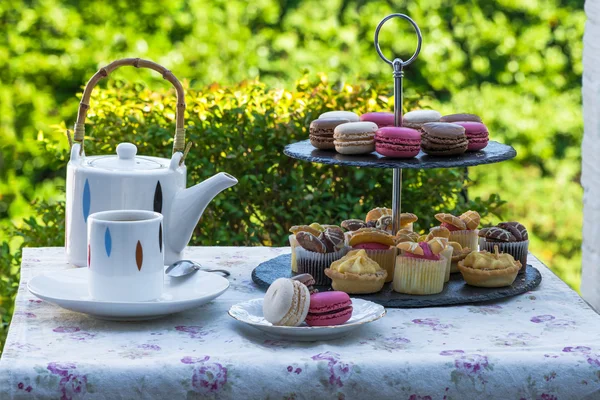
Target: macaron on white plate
x=69 y=289
x=251 y=313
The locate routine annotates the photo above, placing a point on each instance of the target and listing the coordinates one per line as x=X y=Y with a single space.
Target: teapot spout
x=188 y=206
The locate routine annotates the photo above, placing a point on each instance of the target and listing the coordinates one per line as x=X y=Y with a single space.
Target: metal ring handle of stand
x=179 y=140
x=398 y=66
x=417 y=30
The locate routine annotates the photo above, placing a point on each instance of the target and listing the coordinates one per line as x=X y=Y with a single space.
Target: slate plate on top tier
x=455 y=292
x=493 y=153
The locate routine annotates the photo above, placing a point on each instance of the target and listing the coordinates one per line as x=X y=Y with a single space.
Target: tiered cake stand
x=455 y=291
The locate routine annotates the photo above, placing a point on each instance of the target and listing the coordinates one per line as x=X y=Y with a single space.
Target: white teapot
x=129 y=181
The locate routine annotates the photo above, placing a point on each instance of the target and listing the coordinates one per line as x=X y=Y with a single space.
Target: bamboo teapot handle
x=178 y=142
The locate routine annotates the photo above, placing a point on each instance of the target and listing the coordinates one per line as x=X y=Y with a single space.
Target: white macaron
x=286 y=302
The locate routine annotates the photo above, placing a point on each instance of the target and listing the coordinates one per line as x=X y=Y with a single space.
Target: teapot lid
x=126 y=160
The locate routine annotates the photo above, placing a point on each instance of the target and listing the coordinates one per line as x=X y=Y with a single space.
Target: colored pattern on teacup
x=87 y=200
x=139 y=255
x=107 y=241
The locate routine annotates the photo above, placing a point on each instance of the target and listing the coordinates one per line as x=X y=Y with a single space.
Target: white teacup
x=125 y=255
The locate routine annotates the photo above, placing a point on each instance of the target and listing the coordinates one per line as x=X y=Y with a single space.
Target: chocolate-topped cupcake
x=308 y=281
x=315 y=253
x=510 y=237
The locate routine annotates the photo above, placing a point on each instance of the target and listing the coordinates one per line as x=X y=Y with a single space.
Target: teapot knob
x=126 y=151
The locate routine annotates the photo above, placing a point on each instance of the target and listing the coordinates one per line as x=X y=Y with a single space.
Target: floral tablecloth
x=544 y=344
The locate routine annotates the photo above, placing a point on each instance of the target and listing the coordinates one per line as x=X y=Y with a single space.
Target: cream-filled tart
x=356 y=273
x=485 y=269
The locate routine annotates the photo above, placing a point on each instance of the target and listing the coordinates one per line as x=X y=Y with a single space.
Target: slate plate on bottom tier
x=455 y=292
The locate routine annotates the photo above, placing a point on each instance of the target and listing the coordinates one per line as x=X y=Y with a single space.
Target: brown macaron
x=443 y=139
x=321 y=132
x=462 y=117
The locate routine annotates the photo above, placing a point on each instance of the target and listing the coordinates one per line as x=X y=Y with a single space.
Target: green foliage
x=516 y=63
x=46 y=231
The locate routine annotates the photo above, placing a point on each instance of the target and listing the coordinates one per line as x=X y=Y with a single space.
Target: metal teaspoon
x=186 y=267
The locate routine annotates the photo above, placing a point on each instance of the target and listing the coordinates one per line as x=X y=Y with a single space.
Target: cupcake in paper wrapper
x=447 y=256
x=386 y=260
x=516 y=249
x=454 y=267
x=313 y=263
x=466 y=238
x=293 y=244
x=419 y=276
x=511 y=237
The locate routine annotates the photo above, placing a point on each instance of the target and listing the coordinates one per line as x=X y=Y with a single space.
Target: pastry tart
x=485 y=269
x=356 y=273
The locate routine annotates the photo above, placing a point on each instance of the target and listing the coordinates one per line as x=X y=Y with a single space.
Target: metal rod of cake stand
x=397 y=176
x=398 y=66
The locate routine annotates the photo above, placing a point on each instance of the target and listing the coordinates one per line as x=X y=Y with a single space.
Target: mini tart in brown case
x=492 y=277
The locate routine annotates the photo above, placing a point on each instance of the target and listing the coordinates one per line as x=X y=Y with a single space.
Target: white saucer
x=250 y=312
x=69 y=289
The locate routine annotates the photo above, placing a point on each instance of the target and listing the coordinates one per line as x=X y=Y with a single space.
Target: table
x=544 y=344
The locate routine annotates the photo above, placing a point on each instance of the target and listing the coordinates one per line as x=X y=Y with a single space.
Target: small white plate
x=250 y=312
x=69 y=289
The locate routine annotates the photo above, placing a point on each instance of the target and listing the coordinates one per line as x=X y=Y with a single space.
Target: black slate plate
x=455 y=292
x=493 y=153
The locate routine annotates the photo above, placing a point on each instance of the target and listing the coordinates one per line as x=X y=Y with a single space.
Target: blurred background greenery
x=516 y=64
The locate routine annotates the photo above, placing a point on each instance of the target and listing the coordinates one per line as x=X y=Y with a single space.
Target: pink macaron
x=398 y=142
x=477 y=134
x=329 y=308
x=380 y=118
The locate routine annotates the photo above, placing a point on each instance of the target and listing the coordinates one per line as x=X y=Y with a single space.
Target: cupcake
x=485 y=269
x=510 y=237
x=315 y=253
x=420 y=269
x=307 y=280
x=356 y=273
x=376 y=216
x=378 y=245
x=406 y=235
x=463 y=229
x=442 y=232
x=458 y=254
x=313 y=228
